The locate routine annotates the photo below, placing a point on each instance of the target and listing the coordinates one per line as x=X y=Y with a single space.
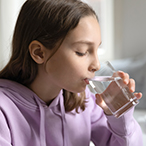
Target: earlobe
x=37 y=52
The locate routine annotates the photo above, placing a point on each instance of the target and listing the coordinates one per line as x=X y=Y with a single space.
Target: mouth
x=86 y=81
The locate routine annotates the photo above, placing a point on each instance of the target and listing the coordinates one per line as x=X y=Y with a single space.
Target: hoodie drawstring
x=42 y=124
x=63 y=122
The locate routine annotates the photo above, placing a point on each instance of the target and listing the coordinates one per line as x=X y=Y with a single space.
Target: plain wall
x=129 y=28
x=9 y=10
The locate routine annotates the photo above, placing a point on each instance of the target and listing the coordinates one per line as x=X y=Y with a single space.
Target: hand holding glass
x=113 y=91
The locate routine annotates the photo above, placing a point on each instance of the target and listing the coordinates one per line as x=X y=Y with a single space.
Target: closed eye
x=81 y=54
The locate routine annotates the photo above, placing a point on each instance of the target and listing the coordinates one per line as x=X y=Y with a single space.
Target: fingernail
x=132 y=89
x=126 y=81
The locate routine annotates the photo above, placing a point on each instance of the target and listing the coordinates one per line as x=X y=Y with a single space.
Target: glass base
x=125 y=108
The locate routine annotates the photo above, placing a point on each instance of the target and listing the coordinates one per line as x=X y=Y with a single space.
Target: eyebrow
x=85 y=42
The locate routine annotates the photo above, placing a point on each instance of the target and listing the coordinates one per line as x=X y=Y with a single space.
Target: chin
x=79 y=90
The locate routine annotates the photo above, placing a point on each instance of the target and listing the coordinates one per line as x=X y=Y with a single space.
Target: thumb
x=100 y=101
x=102 y=104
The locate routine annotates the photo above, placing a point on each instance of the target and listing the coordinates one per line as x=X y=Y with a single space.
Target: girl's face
x=76 y=60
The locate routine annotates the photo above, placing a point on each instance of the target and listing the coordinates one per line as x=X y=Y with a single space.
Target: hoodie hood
x=26 y=97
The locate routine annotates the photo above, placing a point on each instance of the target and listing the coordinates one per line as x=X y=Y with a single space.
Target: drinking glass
x=113 y=91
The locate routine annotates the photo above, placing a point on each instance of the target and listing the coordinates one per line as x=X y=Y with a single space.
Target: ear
x=37 y=51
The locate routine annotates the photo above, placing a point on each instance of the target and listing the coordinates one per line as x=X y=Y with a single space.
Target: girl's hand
x=129 y=82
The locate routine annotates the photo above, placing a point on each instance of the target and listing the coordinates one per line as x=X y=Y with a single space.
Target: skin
x=75 y=61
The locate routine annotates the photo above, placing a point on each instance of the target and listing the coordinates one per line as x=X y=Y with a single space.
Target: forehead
x=88 y=29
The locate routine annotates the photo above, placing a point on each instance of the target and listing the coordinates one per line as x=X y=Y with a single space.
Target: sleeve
x=110 y=131
x=5 y=137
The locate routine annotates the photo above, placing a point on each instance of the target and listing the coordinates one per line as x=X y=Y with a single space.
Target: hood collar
x=28 y=97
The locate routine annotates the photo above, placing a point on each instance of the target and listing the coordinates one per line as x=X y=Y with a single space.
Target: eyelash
x=81 y=54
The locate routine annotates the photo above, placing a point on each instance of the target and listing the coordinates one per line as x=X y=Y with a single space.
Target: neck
x=44 y=89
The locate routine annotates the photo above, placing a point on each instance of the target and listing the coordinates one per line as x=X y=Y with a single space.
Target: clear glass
x=114 y=92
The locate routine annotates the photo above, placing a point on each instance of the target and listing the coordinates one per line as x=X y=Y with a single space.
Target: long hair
x=47 y=21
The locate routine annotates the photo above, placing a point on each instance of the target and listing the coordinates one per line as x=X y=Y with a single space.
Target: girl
x=44 y=100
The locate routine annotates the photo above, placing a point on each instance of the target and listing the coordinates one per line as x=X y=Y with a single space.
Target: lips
x=86 y=81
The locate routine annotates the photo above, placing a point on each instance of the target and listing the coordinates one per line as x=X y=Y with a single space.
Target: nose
x=95 y=64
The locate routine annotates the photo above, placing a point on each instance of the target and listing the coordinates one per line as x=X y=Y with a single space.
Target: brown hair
x=47 y=21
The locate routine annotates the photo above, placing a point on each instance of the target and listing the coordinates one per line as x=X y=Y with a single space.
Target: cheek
x=65 y=71
x=59 y=67
x=75 y=66
x=64 y=67
x=67 y=74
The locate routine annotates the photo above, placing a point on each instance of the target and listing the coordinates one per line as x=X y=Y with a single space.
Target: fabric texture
x=25 y=120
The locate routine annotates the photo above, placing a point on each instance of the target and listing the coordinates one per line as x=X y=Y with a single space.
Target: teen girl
x=44 y=100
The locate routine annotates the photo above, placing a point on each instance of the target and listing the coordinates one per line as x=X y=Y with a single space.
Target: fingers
x=129 y=82
x=138 y=95
x=131 y=85
x=124 y=76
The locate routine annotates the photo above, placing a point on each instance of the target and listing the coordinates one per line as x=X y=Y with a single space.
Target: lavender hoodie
x=25 y=120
